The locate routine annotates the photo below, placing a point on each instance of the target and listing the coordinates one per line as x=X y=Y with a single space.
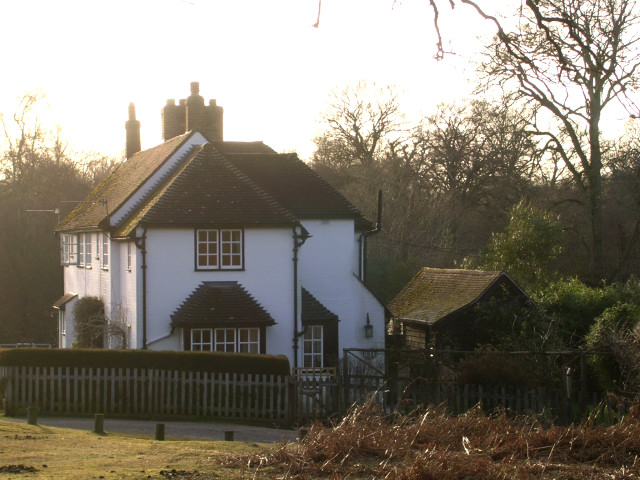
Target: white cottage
x=206 y=244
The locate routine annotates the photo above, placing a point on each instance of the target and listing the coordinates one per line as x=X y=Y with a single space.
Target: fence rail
x=65 y=390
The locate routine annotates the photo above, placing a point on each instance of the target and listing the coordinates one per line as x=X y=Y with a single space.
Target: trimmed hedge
x=163 y=360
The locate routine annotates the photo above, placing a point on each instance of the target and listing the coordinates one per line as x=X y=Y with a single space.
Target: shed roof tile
x=434 y=293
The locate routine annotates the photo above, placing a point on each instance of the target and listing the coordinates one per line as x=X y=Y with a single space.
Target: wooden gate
x=317 y=394
x=363 y=375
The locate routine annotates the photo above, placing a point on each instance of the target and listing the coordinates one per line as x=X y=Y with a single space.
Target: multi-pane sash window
x=129 y=256
x=218 y=249
x=207 y=248
x=105 y=250
x=69 y=249
x=201 y=339
x=312 y=347
x=225 y=340
x=231 y=243
x=84 y=250
x=243 y=340
x=87 y=249
x=249 y=340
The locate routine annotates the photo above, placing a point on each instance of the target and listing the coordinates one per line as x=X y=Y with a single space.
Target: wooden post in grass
x=228 y=435
x=32 y=415
x=160 y=431
x=98 y=424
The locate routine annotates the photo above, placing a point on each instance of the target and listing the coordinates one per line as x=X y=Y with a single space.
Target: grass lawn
x=36 y=451
x=366 y=444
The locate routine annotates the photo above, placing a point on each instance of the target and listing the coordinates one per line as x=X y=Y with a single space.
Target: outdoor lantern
x=368 y=328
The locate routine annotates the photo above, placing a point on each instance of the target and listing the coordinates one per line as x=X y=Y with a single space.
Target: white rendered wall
x=326 y=271
x=124 y=280
x=90 y=280
x=68 y=336
x=267 y=276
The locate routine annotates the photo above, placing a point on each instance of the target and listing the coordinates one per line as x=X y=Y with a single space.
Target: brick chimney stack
x=132 y=126
x=192 y=115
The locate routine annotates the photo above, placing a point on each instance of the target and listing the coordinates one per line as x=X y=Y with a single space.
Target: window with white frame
x=312 y=355
x=219 y=249
x=63 y=322
x=231 y=245
x=98 y=240
x=225 y=340
x=202 y=339
x=68 y=249
x=129 y=256
x=84 y=250
x=243 y=340
x=105 y=250
x=249 y=340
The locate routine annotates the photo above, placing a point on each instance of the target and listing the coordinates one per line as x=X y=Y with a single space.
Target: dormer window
x=219 y=249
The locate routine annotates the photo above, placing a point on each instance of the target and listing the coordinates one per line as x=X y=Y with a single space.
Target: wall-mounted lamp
x=368 y=328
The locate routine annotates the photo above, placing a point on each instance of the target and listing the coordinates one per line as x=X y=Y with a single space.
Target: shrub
x=189 y=361
x=575 y=306
x=616 y=337
x=89 y=322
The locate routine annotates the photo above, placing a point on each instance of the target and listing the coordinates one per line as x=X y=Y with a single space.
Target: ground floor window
x=312 y=354
x=243 y=340
x=201 y=339
x=248 y=340
x=225 y=340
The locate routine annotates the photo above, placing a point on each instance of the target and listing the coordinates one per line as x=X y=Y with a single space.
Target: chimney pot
x=192 y=114
x=171 y=101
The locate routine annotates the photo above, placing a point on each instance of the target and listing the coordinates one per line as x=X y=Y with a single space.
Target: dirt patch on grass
x=17 y=469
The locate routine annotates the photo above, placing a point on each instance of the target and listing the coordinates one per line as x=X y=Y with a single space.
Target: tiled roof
x=435 y=293
x=313 y=311
x=209 y=190
x=220 y=304
x=297 y=187
x=242 y=147
x=233 y=183
x=118 y=186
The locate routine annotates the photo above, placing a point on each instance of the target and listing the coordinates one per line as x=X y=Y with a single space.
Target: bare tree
x=571 y=59
x=40 y=178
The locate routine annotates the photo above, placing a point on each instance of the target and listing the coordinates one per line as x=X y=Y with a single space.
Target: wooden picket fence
x=285 y=400
x=148 y=392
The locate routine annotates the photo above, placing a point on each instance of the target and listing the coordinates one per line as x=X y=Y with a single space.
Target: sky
x=262 y=61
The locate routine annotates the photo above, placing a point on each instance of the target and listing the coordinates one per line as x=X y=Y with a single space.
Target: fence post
x=32 y=415
x=98 y=424
x=160 y=431
x=292 y=385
